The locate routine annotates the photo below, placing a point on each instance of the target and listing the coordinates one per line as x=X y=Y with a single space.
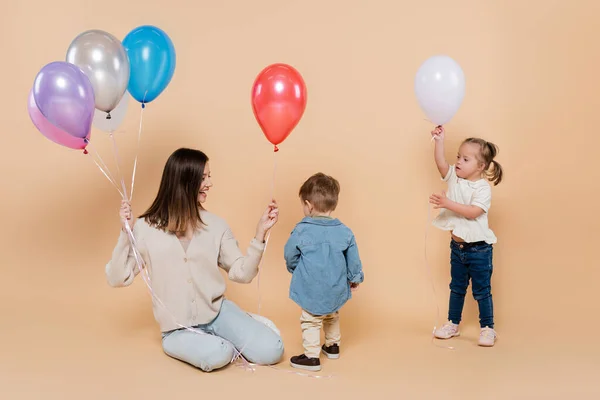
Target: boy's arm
x=291 y=252
x=353 y=263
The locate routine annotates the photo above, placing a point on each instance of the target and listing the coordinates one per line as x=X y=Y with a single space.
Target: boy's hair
x=487 y=153
x=321 y=191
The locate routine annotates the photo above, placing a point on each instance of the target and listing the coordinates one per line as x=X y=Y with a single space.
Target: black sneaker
x=332 y=351
x=303 y=362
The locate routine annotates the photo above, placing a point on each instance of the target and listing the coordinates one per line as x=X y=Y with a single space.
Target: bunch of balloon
x=278 y=101
x=91 y=87
x=440 y=88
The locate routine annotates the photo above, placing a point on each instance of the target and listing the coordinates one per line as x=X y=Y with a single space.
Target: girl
x=464 y=213
x=182 y=246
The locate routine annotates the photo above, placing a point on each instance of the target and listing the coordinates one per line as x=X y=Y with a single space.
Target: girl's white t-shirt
x=463 y=191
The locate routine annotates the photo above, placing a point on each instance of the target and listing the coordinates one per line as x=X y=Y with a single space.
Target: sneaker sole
x=487 y=345
x=449 y=337
x=306 y=367
x=330 y=356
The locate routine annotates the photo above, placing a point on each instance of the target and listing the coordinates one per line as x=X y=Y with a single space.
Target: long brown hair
x=176 y=205
x=487 y=153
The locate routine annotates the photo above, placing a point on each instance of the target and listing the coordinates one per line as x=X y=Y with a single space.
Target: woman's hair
x=176 y=205
x=487 y=153
x=321 y=191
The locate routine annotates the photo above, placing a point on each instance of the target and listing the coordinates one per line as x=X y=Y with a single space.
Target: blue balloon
x=152 y=62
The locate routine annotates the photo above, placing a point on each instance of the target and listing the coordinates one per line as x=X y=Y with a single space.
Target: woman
x=183 y=246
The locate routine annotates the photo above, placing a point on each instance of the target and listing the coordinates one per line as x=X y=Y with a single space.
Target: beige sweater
x=188 y=283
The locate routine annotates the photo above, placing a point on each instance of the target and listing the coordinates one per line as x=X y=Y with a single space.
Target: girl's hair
x=176 y=205
x=487 y=153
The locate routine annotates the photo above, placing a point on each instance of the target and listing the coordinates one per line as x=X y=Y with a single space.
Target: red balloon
x=278 y=101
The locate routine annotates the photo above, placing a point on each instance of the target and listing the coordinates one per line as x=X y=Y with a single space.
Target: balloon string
x=90 y=146
x=103 y=168
x=268 y=233
x=118 y=161
x=136 y=153
x=274 y=175
x=435 y=297
x=294 y=372
x=107 y=177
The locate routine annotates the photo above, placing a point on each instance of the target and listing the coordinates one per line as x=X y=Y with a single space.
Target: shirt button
x=193 y=300
x=185 y=259
x=189 y=281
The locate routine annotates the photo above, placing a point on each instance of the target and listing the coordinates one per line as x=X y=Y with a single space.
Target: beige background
x=532 y=88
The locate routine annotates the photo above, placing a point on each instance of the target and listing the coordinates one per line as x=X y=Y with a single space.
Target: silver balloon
x=102 y=57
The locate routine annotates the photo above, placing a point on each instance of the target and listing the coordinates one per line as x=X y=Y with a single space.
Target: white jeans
x=257 y=342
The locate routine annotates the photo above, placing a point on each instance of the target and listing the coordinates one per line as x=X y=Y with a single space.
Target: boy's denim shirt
x=322 y=255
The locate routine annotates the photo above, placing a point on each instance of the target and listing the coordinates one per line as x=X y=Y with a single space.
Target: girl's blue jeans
x=471 y=261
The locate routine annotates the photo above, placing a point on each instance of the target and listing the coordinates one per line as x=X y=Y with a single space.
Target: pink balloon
x=51 y=131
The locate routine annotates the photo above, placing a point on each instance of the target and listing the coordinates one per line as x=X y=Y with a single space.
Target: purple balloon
x=52 y=132
x=65 y=96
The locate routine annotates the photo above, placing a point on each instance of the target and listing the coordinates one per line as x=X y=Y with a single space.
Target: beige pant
x=311 y=332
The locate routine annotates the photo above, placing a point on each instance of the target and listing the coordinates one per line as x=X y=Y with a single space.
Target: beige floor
x=94 y=342
x=532 y=88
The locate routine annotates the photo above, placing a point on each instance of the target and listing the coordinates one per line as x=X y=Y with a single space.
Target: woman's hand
x=125 y=214
x=267 y=221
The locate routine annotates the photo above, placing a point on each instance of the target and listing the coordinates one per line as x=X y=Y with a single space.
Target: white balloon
x=116 y=116
x=440 y=88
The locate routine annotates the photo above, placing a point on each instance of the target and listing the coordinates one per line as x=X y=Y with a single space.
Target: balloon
x=64 y=95
x=152 y=62
x=278 y=101
x=440 y=88
x=52 y=132
x=116 y=116
x=103 y=59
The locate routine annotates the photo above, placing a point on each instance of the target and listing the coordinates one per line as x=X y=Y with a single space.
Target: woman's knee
x=219 y=359
x=269 y=350
x=205 y=356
